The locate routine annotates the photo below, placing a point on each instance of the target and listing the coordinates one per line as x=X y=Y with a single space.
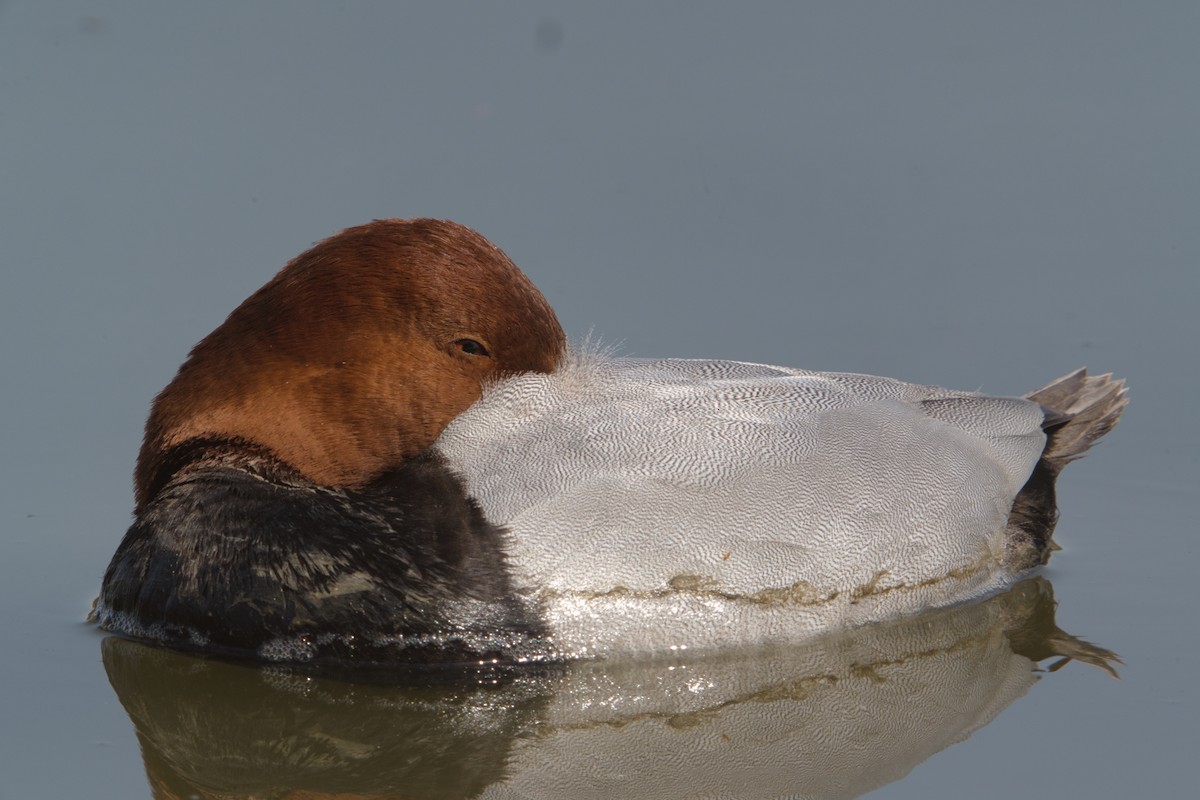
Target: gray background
x=976 y=195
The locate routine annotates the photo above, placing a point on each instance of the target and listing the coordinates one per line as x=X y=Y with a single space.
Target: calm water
x=975 y=198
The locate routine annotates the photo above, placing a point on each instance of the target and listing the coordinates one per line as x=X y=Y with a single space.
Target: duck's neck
x=239 y=554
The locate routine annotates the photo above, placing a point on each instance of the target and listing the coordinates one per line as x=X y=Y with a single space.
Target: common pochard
x=389 y=454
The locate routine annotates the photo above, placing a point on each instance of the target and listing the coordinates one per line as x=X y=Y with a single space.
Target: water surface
x=974 y=197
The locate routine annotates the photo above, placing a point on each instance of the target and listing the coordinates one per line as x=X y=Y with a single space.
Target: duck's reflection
x=834 y=718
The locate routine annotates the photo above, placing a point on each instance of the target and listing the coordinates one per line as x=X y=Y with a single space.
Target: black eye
x=471 y=347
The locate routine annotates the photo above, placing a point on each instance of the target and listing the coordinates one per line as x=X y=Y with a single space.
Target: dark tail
x=1079 y=410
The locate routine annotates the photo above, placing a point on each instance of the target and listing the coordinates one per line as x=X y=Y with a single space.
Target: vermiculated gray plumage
x=718 y=502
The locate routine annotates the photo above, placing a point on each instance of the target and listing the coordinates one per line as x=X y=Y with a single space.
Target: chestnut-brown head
x=357 y=354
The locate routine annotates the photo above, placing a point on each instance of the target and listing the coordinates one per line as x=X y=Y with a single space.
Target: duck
x=390 y=455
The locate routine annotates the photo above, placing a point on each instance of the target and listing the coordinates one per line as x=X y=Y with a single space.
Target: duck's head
x=287 y=494
x=356 y=355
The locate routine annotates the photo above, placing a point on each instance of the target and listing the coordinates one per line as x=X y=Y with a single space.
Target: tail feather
x=1079 y=410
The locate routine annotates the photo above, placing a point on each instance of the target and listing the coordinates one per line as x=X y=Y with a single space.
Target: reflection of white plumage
x=831 y=718
x=710 y=502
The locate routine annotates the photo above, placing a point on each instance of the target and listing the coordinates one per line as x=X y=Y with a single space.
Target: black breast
x=240 y=556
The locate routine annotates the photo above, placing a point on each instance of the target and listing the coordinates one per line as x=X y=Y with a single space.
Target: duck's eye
x=471 y=347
